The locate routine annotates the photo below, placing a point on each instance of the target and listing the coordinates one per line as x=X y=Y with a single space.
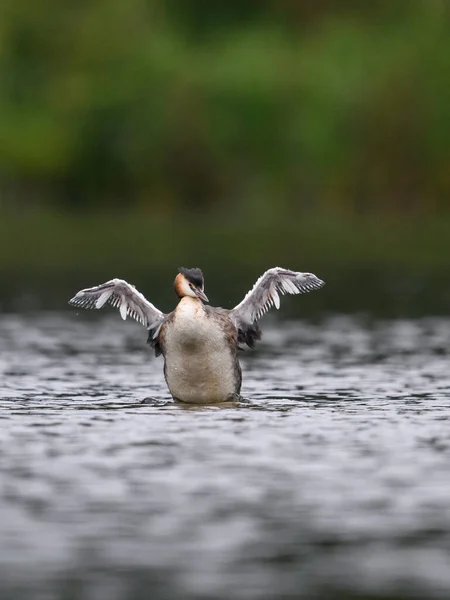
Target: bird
x=200 y=343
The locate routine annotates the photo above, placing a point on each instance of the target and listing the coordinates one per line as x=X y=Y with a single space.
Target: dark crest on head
x=194 y=276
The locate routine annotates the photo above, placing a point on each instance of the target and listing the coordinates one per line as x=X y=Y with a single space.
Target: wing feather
x=120 y=294
x=266 y=293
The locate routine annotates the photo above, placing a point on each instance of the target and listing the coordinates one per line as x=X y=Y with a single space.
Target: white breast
x=200 y=366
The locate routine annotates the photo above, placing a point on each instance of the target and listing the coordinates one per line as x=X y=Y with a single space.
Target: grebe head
x=189 y=282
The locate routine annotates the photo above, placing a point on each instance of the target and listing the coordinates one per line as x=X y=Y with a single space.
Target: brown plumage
x=177 y=285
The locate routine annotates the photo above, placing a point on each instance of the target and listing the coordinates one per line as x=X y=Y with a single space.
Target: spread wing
x=265 y=294
x=126 y=298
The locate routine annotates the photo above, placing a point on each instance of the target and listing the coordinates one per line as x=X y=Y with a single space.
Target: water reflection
x=332 y=480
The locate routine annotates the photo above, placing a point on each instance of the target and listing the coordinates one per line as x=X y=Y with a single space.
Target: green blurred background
x=140 y=135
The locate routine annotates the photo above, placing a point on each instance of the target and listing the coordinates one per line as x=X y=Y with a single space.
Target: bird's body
x=200 y=353
x=200 y=343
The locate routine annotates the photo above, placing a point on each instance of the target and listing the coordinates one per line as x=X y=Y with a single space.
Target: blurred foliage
x=336 y=107
x=389 y=267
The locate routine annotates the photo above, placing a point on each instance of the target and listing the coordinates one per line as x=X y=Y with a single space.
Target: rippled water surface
x=333 y=481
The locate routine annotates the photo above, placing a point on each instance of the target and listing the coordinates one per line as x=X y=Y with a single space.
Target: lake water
x=332 y=481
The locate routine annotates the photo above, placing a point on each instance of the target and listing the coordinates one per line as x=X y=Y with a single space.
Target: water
x=333 y=481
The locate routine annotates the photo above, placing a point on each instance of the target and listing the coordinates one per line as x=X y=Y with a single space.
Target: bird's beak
x=201 y=294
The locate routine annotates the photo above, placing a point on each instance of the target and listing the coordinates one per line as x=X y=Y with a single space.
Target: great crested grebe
x=200 y=343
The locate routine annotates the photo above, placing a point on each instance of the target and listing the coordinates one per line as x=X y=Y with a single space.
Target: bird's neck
x=189 y=308
x=190 y=303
